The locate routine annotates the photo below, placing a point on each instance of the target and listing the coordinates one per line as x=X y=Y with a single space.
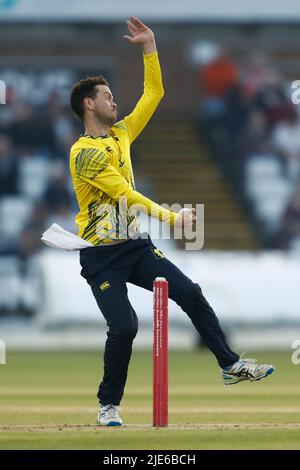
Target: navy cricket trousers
x=137 y=261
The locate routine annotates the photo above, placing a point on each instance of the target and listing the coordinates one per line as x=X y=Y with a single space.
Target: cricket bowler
x=103 y=180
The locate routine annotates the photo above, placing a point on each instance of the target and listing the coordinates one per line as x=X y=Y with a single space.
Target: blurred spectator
x=286 y=138
x=237 y=107
x=256 y=75
x=8 y=167
x=30 y=239
x=23 y=129
x=218 y=76
x=7 y=114
x=57 y=193
x=63 y=132
x=254 y=139
x=272 y=100
x=290 y=227
x=31 y=132
x=57 y=199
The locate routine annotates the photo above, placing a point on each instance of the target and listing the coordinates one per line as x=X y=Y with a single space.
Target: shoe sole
x=269 y=372
x=110 y=424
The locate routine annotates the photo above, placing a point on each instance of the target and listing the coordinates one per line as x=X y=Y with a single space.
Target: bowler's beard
x=104 y=119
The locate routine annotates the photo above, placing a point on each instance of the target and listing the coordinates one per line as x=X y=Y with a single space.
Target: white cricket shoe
x=246 y=369
x=109 y=416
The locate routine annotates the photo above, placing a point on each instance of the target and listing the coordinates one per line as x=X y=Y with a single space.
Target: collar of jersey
x=95 y=136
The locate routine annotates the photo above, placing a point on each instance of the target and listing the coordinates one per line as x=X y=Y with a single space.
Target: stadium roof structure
x=156 y=10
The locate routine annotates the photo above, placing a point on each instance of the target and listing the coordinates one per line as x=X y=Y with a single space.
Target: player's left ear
x=89 y=103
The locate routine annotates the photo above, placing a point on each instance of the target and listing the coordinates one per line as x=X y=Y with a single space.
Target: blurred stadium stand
x=227 y=126
x=226 y=133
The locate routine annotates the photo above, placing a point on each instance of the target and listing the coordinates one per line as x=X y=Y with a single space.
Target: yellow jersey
x=102 y=173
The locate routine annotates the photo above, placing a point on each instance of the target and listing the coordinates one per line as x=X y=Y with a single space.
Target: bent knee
x=126 y=332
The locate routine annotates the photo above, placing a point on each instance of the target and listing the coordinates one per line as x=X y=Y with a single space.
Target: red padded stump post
x=160 y=352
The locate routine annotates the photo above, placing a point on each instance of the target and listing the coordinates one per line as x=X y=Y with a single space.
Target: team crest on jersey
x=105 y=285
x=158 y=253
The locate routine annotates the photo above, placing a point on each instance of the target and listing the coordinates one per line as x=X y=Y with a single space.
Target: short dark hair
x=82 y=89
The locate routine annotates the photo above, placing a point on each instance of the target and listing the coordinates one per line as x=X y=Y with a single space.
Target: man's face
x=103 y=106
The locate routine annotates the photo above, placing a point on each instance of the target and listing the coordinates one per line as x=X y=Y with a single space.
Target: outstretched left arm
x=153 y=87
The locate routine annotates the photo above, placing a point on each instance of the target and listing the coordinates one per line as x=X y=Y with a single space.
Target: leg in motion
x=122 y=325
x=188 y=295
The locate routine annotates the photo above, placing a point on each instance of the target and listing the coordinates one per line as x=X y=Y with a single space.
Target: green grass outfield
x=47 y=401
